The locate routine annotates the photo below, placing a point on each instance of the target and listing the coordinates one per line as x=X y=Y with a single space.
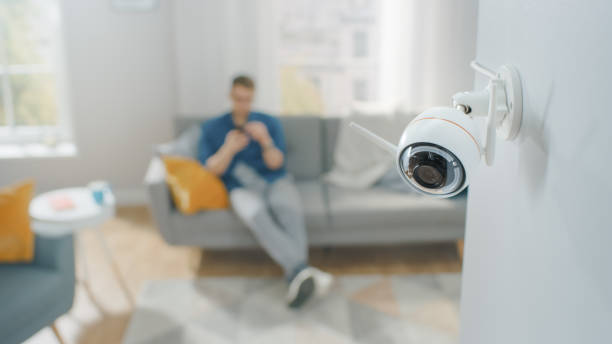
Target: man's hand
x=235 y=141
x=259 y=133
x=273 y=157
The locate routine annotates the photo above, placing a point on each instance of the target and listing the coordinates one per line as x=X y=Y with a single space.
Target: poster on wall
x=134 y=5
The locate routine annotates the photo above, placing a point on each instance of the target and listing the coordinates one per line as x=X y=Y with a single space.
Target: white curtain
x=214 y=41
x=424 y=52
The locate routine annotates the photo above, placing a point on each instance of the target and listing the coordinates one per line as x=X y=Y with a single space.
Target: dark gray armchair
x=33 y=295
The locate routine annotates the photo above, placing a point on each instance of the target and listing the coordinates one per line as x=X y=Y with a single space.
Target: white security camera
x=439 y=150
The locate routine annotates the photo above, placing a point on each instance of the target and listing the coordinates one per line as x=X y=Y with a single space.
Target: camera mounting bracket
x=501 y=102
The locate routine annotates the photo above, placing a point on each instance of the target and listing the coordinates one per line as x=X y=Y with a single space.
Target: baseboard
x=130 y=196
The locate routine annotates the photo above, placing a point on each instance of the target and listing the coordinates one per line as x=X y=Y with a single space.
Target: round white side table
x=85 y=215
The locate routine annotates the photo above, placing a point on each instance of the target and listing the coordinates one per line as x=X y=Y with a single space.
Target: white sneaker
x=323 y=281
x=301 y=288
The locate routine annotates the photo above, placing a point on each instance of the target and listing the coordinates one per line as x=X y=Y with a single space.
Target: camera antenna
x=483 y=70
x=379 y=141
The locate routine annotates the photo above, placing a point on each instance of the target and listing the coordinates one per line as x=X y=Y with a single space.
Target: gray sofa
x=334 y=215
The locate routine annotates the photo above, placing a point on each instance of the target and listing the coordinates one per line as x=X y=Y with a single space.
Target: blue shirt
x=213 y=136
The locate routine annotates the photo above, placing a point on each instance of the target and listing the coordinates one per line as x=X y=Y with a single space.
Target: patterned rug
x=360 y=309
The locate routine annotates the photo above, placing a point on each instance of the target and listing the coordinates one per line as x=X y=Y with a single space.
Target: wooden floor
x=101 y=311
x=402 y=259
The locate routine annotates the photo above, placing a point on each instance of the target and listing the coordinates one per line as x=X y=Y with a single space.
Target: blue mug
x=98 y=189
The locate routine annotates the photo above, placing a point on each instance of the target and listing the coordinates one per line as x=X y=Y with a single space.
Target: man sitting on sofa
x=247 y=150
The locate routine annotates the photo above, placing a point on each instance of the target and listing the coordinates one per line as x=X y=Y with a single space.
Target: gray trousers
x=273 y=213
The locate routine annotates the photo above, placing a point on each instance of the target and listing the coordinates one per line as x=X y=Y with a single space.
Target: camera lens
x=429 y=176
x=428 y=169
x=432 y=169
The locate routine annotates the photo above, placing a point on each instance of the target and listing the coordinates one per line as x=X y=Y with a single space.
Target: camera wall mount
x=441 y=147
x=501 y=102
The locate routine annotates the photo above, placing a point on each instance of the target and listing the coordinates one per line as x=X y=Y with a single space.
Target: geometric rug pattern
x=359 y=309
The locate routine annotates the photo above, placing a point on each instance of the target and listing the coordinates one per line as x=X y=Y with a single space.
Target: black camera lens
x=429 y=176
x=432 y=169
x=428 y=169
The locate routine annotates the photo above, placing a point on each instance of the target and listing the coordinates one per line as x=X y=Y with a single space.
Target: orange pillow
x=194 y=188
x=16 y=236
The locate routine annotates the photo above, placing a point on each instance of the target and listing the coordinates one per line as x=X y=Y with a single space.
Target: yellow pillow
x=193 y=187
x=16 y=237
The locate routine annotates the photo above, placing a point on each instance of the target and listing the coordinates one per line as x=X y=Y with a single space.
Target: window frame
x=10 y=132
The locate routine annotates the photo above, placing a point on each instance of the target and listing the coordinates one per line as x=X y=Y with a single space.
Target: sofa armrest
x=55 y=253
x=159 y=198
x=156 y=172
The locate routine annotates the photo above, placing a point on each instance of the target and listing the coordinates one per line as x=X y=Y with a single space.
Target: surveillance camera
x=437 y=151
x=440 y=149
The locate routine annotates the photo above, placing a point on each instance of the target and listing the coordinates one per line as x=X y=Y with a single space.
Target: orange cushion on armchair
x=194 y=188
x=16 y=236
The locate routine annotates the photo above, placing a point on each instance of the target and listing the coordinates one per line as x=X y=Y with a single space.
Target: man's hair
x=243 y=80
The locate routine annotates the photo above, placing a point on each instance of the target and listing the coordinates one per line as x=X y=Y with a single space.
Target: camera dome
x=438 y=151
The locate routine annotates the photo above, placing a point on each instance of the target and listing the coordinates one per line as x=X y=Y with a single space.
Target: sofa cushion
x=16 y=236
x=196 y=229
x=185 y=145
x=314 y=203
x=209 y=227
x=380 y=207
x=193 y=187
x=331 y=127
x=302 y=136
x=304 y=146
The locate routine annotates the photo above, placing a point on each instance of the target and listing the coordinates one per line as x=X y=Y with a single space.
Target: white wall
x=538 y=263
x=121 y=96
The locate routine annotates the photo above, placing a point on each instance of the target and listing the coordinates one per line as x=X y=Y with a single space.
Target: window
x=30 y=107
x=326 y=55
x=360 y=44
x=360 y=90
